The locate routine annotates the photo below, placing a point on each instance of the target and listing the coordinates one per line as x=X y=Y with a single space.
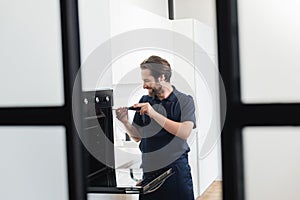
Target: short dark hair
x=157 y=66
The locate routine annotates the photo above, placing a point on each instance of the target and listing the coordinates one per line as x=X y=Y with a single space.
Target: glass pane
x=30 y=53
x=269 y=47
x=271 y=162
x=33 y=163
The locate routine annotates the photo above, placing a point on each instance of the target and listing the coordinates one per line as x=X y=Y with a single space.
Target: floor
x=214 y=192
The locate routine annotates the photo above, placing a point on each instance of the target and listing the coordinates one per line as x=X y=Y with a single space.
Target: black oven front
x=98 y=138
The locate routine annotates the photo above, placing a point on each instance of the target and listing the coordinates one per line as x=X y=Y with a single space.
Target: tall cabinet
x=203 y=77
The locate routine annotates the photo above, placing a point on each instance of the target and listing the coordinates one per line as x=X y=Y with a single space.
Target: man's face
x=150 y=83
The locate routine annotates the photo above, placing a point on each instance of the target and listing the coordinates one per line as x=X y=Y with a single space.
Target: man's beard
x=154 y=91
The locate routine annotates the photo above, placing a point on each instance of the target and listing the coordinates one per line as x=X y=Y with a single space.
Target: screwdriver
x=130 y=108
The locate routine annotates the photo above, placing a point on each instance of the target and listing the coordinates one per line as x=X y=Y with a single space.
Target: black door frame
x=60 y=115
x=171 y=9
x=239 y=114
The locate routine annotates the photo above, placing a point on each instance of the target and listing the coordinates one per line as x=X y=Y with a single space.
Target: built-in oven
x=98 y=138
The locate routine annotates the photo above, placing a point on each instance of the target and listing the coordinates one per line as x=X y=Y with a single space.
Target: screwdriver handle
x=132 y=108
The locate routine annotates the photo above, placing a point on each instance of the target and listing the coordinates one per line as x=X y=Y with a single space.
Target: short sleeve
x=187 y=107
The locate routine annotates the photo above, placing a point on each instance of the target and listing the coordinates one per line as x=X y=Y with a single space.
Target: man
x=162 y=125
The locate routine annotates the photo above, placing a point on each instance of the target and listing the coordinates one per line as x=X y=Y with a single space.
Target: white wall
x=202 y=10
x=156 y=7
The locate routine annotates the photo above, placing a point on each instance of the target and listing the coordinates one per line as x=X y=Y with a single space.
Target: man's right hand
x=122 y=114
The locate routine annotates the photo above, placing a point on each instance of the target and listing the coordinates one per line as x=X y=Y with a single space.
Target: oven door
x=98 y=138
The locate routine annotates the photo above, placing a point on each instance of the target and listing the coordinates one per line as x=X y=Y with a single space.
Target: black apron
x=177 y=187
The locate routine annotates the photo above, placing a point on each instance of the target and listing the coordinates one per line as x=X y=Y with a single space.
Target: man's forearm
x=132 y=131
x=180 y=129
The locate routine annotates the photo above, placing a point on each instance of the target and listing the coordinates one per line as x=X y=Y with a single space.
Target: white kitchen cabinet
x=202 y=77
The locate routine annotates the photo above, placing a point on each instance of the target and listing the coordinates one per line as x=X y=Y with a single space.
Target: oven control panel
x=99 y=98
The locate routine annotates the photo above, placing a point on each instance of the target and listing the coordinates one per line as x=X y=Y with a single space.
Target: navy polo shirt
x=178 y=107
